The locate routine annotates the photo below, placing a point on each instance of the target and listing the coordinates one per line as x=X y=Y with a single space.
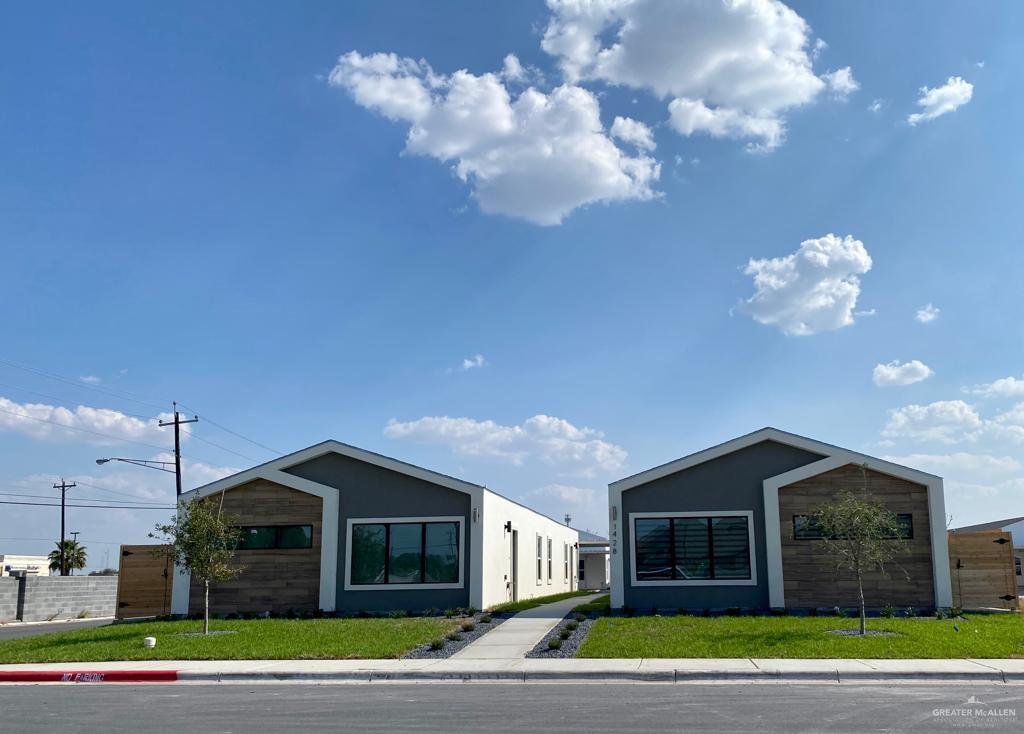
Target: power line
x=222 y=448
x=234 y=433
x=89 y=499
x=83 y=430
x=78 y=383
x=97 y=507
x=104 y=489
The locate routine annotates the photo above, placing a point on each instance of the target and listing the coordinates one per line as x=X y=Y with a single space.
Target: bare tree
x=860 y=535
x=203 y=540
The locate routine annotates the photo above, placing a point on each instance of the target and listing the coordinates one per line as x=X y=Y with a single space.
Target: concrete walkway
x=515 y=637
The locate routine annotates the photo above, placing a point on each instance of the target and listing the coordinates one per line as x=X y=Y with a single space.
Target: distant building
x=30 y=565
x=593 y=570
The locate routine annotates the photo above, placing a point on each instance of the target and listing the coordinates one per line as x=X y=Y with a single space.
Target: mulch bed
x=453 y=646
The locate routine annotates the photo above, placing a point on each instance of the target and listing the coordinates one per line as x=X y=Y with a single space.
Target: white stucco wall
x=497 y=551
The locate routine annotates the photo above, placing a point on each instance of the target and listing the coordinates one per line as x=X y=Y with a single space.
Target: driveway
x=14 y=630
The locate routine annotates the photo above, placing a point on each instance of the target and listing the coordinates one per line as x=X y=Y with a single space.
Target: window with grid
x=692 y=548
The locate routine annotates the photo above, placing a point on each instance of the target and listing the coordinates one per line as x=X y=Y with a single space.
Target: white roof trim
x=336 y=447
x=772 y=434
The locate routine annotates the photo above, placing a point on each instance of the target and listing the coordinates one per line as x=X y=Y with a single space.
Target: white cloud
x=91 y=379
x=898 y=373
x=736 y=66
x=536 y=156
x=939 y=101
x=1004 y=387
x=962 y=465
x=689 y=116
x=551 y=440
x=927 y=313
x=841 y=82
x=944 y=421
x=1009 y=424
x=512 y=69
x=811 y=290
x=631 y=131
x=876 y=106
x=474 y=362
x=82 y=424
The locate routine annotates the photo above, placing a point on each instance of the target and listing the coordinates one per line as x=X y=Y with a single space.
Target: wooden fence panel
x=982 y=570
x=144 y=582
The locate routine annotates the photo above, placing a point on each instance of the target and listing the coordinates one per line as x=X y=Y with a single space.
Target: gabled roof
x=588 y=537
x=771 y=434
x=994 y=525
x=331 y=446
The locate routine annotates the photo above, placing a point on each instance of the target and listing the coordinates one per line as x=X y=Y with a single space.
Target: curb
x=89 y=676
x=518 y=676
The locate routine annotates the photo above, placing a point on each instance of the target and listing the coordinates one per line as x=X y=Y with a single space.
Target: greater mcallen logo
x=973 y=712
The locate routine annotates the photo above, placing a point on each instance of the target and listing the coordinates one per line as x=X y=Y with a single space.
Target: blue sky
x=222 y=208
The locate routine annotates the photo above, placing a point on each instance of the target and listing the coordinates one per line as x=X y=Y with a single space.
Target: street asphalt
x=492 y=707
x=14 y=631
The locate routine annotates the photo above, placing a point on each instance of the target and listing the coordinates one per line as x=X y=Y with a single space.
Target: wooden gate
x=982 y=571
x=144 y=582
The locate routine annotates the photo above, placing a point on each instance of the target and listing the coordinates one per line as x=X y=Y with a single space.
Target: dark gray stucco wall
x=731 y=482
x=372 y=491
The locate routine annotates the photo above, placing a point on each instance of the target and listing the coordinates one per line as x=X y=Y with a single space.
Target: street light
x=141 y=462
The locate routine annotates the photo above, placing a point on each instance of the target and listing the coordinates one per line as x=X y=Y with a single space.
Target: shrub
x=564 y=633
x=579 y=616
x=398 y=613
x=486 y=619
x=956 y=612
x=572 y=624
x=940 y=614
x=554 y=644
x=910 y=612
x=470 y=611
x=468 y=626
x=436 y=644
x=888 y=611
x=449 y=613
x=455 y=637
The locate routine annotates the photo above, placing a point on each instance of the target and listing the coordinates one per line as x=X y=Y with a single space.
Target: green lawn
x=523 y=604
x=983 y=636
x=601 y=605
x=260 y=639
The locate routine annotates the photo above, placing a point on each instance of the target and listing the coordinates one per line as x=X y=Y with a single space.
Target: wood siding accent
x=982 y=571
x=273 y=580
x=144 y=581
x=809 y=575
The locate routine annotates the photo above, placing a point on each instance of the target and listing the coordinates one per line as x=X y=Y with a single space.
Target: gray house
x=731 y=527
x=337 y=528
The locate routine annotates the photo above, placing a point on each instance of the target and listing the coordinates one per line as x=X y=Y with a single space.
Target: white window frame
x=749 y=514
x=565 y=561
x=349 y=586
x=538 y=566
x=550 y=547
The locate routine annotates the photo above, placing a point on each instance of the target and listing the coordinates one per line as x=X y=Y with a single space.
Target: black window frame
x=278 y=529
x=673 y=565
x=423 y=553
x=906 y=520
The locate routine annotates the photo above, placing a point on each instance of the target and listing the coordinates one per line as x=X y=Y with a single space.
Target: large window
x=805 y=527
x=405 y=553
x=565 y=560
x=549 y=560
x=692 y=548
x=540 y=559
x=270 y=537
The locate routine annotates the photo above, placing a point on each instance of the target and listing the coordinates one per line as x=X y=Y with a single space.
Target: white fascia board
x=328 y=531
x=336 y=447
x=768 y=434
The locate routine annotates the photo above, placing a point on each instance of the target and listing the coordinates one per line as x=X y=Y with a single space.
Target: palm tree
x=74 y=557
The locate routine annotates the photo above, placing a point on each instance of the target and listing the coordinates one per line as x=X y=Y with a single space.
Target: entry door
x=514 y=579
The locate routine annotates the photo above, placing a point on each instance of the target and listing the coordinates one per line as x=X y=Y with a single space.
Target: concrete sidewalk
x=658 y=670
x=515 y=637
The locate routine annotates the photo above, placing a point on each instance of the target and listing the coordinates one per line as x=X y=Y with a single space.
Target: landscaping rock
x=569 y=645
x=450 y=647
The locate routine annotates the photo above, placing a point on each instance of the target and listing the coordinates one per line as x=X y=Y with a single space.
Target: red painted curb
x=88 y=676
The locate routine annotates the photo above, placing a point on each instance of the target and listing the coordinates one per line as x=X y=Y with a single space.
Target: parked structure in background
x=31 y=565
x=338 y=528
x=732 y=527
x=593 y=567
x=1015 y=527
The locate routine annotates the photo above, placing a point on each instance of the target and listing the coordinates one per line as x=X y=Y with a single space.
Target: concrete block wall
x=8 y=598
x=67 y=597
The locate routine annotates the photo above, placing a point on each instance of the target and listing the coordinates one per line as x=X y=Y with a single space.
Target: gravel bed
x=453 y=646
x=569 y=647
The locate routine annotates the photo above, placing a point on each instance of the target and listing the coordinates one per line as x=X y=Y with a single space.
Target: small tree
x=860 y=535
x=202 y=539
x=74 y=557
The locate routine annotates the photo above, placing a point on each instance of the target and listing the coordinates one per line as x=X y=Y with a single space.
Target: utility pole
x=177 y=423
x=63 y=487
